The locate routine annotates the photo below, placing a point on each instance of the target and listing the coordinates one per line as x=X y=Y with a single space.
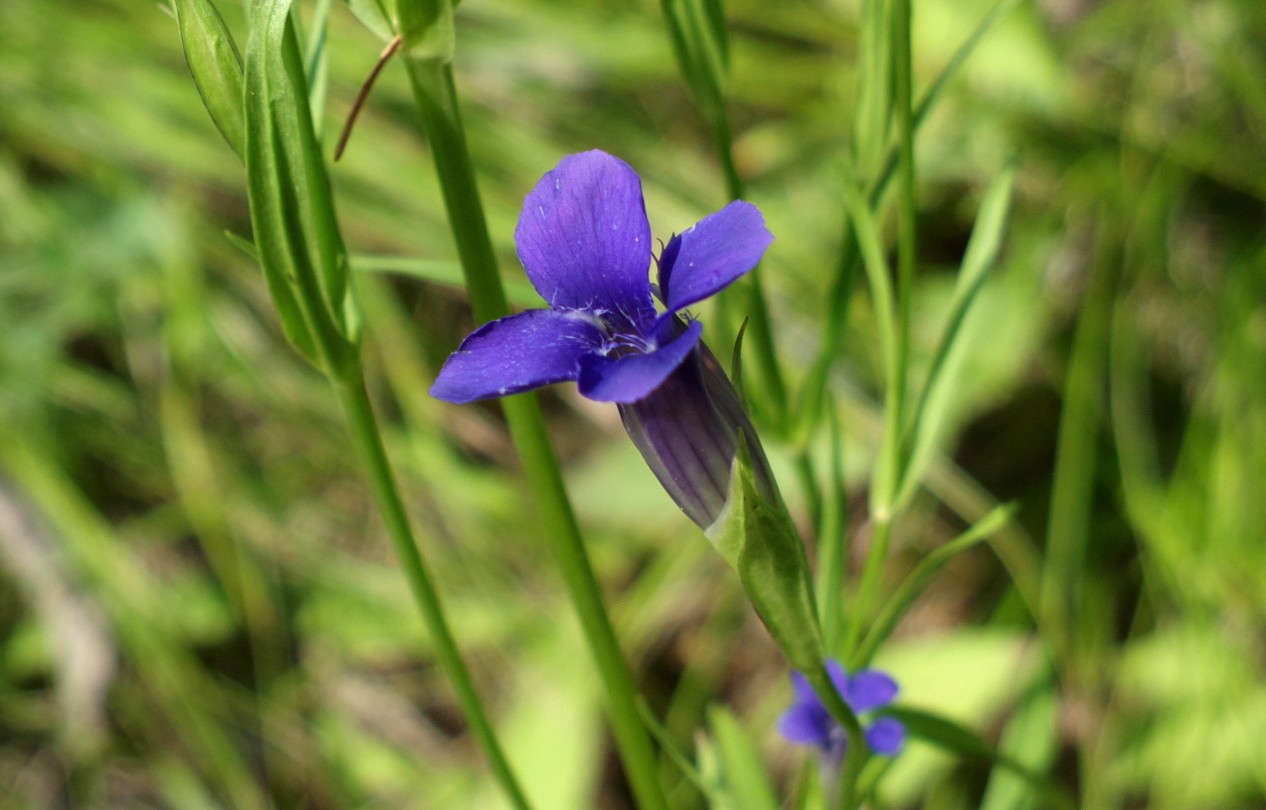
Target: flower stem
x=832 y=543
x=368 y=440
x=436 y=98
x=855 y=753
x=868 y=585
x=892 y=463
x=907 y=234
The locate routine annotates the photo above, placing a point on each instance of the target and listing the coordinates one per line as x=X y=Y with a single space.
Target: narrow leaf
x=917 y=581
x=1029 y=738
x=243 y=244
x=950 y=736
x=216 y=66
x=741 y=766
x=318 y=64
x=982 y=252
x=670 y=749
x=292 y=208
x=878 y=275
x=696 y=29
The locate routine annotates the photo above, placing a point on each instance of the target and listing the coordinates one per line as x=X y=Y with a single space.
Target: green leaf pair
x=292 y=206
x=264 y=114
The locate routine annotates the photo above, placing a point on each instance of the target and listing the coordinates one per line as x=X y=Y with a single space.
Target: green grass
x=199 y=603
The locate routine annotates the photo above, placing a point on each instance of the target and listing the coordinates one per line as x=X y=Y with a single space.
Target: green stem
x=757 y=305
x=436 y=97
x=868 y=586
x=842 y=287
x=855 y=753
x=1069 y=527
x=813 y=503
x=832 y=544
x=918 y=579
x=907 y=234
x=889 y=473
x=368 y=440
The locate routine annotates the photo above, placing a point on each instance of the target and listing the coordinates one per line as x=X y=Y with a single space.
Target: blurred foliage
x=198 y=607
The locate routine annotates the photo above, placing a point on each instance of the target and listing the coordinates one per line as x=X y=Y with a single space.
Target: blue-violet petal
x=516 y=353
x=584 y=239
x=869 y=689
x=806 y=724
x=714 y=252
x=886 y=736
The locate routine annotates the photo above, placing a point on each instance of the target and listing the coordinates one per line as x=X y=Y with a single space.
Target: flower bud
x=688 y=432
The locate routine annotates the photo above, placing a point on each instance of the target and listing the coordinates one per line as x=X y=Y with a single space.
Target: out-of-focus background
x=198 y=605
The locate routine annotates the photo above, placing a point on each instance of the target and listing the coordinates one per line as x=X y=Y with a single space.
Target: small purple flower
x=585 y=243
x=807 y=721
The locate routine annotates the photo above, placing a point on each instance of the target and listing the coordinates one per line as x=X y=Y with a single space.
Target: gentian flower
x=807 y=721
x=585 y=242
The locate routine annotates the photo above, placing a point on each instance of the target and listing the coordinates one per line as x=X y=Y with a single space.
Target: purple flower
x=585 y=243
x=807 y=721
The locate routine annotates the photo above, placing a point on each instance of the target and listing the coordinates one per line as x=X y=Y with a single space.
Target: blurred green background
x=199 y=608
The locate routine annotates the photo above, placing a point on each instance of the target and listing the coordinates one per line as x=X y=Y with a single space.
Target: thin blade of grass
x=844 y=282
x=951 y=736
x=918 y=579
x=877 y=274
x=743 y=771
x=318 y=64
x=1029 y=740
x=982 y=252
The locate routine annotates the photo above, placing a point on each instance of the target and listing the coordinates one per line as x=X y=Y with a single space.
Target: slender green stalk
x=757 y=305
x=855 y=753
x=886 y=477
x=868 y=585
x=918 y=579
x=436 y=98
x=867 y=232
x=1068 y=527
x=907 y=234
x=812 y=492
x=846 y=266
x=889 y=471
x=364 y=428
x=724 y=143
x=832 y=544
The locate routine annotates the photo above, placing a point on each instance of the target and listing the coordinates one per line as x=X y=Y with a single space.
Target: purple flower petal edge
x=886 y=736
x=805 y=724
x=712 y=254
x=517 y=353
x=869 y=689
x=584 y=239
